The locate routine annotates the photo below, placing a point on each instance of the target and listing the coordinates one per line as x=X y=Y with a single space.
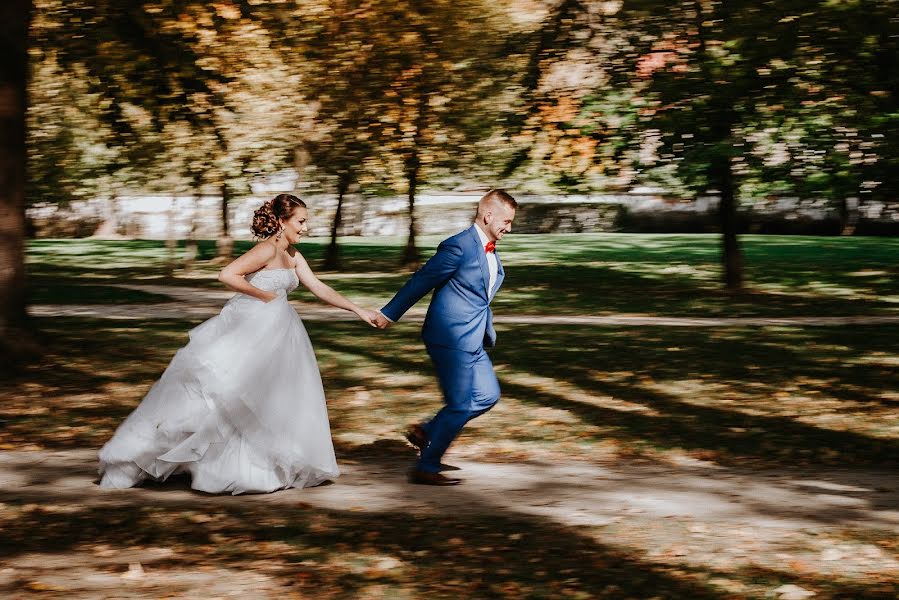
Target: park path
x=690 y=512
x=197 y=303
x=824 y=520
x=571 y=492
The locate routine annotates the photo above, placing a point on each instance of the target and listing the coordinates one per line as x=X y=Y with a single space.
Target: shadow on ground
x=419 y=542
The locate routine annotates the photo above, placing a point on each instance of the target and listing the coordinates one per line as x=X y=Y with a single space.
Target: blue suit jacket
x=459 y=315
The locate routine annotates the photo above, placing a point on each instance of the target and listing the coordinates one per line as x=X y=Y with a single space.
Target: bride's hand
x=269 y=296
x=369 y=316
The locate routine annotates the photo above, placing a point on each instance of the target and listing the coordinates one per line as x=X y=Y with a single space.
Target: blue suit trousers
x=470 y=389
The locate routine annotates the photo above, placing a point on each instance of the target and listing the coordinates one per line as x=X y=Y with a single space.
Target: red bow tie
x=490 y=247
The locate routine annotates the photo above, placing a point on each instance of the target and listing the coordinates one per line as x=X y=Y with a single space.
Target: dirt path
x=818 y=523
x=572 y=493
x=197 y=303
x=697 y=514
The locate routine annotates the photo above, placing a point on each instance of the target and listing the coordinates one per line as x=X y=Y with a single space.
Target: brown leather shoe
x=426 y=478
x=417 y=437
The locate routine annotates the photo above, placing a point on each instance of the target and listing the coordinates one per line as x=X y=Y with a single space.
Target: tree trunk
x=332 y=254
x=109 y=227
x=15 y=342
x=731 y=256
x=848 y=209
x=411 y=256
x=171 y=241
x=225 y=243
x=190 y=244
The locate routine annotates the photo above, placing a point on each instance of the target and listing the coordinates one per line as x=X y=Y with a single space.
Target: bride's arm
x=326 y=294
x=256 y=258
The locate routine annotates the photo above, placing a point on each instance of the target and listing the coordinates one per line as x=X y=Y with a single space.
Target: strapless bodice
x=274 y=279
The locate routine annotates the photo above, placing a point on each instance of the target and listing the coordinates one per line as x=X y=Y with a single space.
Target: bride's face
x=295 y=226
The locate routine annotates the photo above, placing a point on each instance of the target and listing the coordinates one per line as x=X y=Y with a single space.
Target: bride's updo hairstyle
x=267 y=218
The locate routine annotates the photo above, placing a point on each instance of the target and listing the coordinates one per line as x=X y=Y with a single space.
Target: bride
x=241 y=407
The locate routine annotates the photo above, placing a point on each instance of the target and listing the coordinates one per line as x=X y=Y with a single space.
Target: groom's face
x=499 y=220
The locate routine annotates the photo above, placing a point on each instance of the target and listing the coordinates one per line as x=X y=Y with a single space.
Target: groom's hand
x=381 y=322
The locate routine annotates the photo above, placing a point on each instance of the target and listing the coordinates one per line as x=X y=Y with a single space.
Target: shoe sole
x=449 y=483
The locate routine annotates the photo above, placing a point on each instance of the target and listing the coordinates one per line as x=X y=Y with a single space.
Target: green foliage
x=168 y=97
x=798 y=97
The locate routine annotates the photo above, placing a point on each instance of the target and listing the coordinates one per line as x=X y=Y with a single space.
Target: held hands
x=370 y=317
x=381 y=322
x=373 y=318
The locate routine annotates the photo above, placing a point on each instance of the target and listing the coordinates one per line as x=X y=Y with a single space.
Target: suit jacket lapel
x=482 y=260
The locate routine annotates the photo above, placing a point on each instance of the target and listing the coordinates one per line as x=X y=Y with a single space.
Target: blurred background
x=674 y=161
x=175 y=118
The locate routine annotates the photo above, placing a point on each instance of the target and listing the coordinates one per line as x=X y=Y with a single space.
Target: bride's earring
x=280 y=231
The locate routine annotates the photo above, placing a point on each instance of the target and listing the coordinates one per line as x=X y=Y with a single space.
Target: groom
x=465 y=275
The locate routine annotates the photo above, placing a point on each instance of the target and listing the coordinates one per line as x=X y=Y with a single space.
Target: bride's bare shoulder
x=257 y=257
x=263 y=249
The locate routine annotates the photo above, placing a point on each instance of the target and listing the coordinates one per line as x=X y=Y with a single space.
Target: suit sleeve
x=435 y=272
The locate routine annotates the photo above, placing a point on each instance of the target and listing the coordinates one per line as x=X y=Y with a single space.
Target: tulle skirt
x=240 y=408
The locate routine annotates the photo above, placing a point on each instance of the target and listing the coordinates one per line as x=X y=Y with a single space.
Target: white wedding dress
x=240 y=408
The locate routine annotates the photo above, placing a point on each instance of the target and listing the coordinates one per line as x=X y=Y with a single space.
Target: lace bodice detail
x=274 y=279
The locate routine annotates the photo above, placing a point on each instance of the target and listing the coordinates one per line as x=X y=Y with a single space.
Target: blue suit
x=458 y=326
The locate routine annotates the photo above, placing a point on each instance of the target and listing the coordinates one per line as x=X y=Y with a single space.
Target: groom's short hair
x=497 y=195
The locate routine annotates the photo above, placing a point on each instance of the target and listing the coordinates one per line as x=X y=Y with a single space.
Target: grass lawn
x=730 y=395
x=766 y=397
x=672 y=275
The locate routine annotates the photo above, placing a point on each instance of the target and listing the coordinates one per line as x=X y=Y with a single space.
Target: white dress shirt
x=492 y=266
